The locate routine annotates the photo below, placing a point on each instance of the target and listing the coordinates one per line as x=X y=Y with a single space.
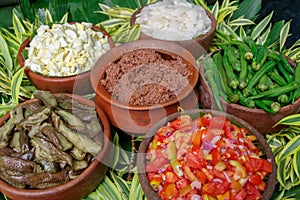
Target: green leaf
x=275 y=32
x=259 y=28
x=282 y=166
x=215 y=9
x=241 y=22
x=296 y=163
x=110 y=23
x=108 y=189
x=263 y=38
x=16 y=84
x=48 y=17
x=136 y=191
x=248 y=8
x=290 y=120
x=18 y=27
x=290 y=148
x=6 y=55
x=228 y=30
x=121 y=184
x=284 y=33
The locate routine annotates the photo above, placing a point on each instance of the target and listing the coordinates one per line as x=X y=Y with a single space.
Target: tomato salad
x=206 y=158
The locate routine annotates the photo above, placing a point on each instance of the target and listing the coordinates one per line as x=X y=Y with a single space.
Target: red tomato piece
x=267 y=166
x=254 y=164
x=205 y=120
x=157 y=163
x=171 y=177
x=209 y=189
x=217 y=122
x=253 y=191
x=201 y=176
x=255 y=179
x=241 y=195
x=216 y=156
x=182 y=182
x=194 y=161
x=229 y=132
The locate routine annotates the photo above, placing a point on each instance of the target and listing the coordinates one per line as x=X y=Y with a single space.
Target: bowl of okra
x=248 y=80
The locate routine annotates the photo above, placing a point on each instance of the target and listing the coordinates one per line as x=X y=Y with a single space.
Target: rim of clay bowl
x=101 y=156
x=141 y=160
x=163 y=47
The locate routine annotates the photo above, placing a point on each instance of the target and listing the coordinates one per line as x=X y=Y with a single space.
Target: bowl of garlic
x=59 y=58
x=179 y=21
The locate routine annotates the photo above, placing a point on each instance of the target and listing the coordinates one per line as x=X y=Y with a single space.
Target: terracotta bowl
x=197 y=46
x=195 y=113
x=136 y=119
x=258 y=118
x=79 y=187
x=77 y=84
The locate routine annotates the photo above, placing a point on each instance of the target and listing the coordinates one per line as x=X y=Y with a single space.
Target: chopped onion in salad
x=173 y=20
x=65 y=49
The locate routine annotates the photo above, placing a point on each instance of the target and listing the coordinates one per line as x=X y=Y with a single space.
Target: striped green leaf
x=241 y=22
x=227 y=29
x=121 y=185
x=290 y=148
x=215 y=9
x=282 y=174
x=18 y=27
x=284 y=33
x=6 y=55
x=111 y=23
x=108 y=189
x=259 y=28
x=16 y=85
x=296 y=163
x=64 y=19
x=290 y=120
x=48 y=17
x=136 y=191
x=274 y=33
x=263 y=38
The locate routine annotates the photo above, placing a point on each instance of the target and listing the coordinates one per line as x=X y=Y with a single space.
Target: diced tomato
x=252 y=190
x=254 y=164
x=182 y=182
x=171 y=177
x=222 y=187
x=216 y=156
x=267 y=166
x=217 y=122
x=218 y=174
x=241 y=195
x=262 y=186
x=157 y=163
x=171 y=192
x=201 y=176
x=197 y=139
x=209 y=189
x=208 y=174
x=194 y=161
x=206 y=120
x=229 y=132
x=255 y=179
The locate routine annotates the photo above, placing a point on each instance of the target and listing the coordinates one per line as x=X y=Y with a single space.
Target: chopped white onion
x=65 y=49
x=173 y=20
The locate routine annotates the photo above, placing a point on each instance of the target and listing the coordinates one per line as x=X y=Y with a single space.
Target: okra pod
x=268 y=105
x=257 y=76
x=277 y=78
x=232 y=58
x=284 y=72
x=232 y=80
x=244 y=70
x=277 y=91
x=286 y=64
x=259 y=60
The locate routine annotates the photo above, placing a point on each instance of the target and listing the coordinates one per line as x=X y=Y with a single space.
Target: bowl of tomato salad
x=205 y=154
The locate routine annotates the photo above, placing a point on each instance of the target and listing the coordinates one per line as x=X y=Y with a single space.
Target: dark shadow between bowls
x=194 y=113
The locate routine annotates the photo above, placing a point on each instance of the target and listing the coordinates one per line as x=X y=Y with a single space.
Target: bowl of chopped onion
x=205 y=154
x=54 y=146
x=59 y=58
x=178 y=21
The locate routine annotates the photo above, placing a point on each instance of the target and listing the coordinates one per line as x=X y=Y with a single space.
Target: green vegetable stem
x=257 y=76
